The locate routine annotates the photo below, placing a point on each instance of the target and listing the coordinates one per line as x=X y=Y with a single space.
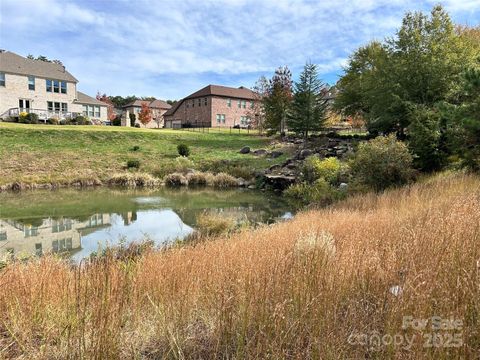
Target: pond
x=78 y=222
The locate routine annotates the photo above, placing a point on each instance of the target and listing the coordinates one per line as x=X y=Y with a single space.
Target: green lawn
x=47 y=153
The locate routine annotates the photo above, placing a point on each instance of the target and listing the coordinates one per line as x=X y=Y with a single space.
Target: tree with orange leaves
x=145 y=115
x=110 y=112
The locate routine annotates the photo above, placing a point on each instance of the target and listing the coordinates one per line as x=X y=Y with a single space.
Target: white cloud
x=173 y=47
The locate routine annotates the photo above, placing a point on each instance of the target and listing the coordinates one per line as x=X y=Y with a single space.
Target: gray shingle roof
x=85 y=99
x=16 y=64
x=156 y=104
x=217 y=90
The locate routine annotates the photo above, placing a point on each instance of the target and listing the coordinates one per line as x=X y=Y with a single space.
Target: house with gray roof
x=213 y=106
x=44 y=88
x=157 y=107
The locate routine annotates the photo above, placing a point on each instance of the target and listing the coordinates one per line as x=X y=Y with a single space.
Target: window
x=38 y=249
x=49 y=85
x=244 y=104
x=205 y=101
x=97 y=111
x=50 y=106
x=229 y=102
x=199 y=102
x=220 y=118
x=64 y=107
x=61 y=245
x=239 y=102
x=31 y=83
x=3 y=235
x=29 y=231
x=244 y=120
x=90 y=111
x=2 y=79
x=63 y=87
x=252 y=104
x=68 y=243
x=56 y=106
x=55 y=246
x=56 y=86
x=85 y=110
x=24 y=104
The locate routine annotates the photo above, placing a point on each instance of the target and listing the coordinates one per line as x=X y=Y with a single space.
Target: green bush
x=381 y=163
x=52 y=121
x=80 y=120
x=133 y=164
x=117 y=121
x=32 y=118
x=135 y=148
x=331 y=169
x=318 y=193
x=133 y=118
x=183 y=150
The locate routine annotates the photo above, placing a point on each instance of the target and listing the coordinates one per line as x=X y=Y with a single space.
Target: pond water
x=78 y=222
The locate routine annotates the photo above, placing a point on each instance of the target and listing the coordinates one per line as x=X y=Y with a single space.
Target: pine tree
x=307 y=112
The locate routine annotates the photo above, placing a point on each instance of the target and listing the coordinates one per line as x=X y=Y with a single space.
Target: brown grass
x=294 y=290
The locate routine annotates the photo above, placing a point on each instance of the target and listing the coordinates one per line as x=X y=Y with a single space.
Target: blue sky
x=169 y=49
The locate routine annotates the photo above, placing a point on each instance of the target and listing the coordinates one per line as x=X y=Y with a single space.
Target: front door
x=24 y=105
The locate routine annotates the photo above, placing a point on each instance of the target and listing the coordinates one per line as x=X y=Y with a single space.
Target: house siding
x=16 y=87
x=206 y=115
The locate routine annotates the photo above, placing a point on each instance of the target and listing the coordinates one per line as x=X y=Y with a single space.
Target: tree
x=110 y=108
x=420 y=66
x=120 y=101
x=309 y=103
x=145 y=114
x=278 y=99
x=133 y=119
x=257 y=112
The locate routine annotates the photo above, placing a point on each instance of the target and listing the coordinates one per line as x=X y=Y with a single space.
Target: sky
x=171 y=48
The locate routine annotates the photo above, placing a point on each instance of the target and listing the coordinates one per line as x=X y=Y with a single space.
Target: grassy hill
x=49 y=154
x=328 y=284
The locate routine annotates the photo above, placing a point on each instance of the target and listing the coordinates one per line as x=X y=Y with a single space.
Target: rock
x=260 y=152
x=245 y=150
x=251 y=187
x=304 y=154
x=275 y=154
x=241 y=182
x=279 y=182
x=274 y=167
x=343 y=186
x=298 y=141
x=291 y=166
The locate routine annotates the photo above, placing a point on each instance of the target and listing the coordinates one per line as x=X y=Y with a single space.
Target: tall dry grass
x=294 y=290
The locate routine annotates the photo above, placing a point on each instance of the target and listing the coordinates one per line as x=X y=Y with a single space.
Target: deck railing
x=42 y=113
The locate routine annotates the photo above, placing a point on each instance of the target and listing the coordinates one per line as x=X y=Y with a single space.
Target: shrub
x=330 y=169
x=132 y=119
x=133 y=164
x=133 y=180
x=222 y=180
x=214 y=224
x=183 y=150
x=199 y=178
x=65 y=122
x=117 y=121
x=137 y=125
x=53 y=121
x=175 y=179
x=318 y=193
x=80 y=120
x=381 y=163
x=32 y=118
x=23 y=117
x=135 y=148
x=183 y=164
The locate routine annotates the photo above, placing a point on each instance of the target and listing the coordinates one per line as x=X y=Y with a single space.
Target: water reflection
x=79 y=222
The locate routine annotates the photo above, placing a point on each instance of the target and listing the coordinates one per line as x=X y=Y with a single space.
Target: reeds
x=298 y=289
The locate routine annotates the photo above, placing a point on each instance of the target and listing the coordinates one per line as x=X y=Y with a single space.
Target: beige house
x=44 y=88
x=213 y=106
x=158 y=107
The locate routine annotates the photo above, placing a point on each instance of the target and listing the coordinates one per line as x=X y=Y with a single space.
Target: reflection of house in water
x=51 y=235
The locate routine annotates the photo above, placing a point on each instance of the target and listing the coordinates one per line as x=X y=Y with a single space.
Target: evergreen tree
x=278 y=99
x=309 y=104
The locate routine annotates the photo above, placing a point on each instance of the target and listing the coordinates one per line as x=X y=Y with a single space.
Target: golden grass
x=294 y=290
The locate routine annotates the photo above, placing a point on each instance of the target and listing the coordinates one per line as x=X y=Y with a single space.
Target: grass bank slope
x=51 y=154
x=307 y=288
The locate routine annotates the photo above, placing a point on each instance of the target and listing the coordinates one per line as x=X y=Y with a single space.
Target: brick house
x=158 y=107
x=44 y=88
x=212 y=106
